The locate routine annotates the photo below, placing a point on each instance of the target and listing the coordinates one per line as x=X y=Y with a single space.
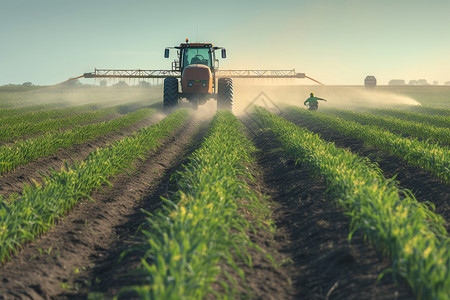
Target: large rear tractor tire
x=225 y=94
x=171 y=96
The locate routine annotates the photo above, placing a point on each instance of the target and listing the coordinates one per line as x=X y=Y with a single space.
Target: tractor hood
x=196 y=79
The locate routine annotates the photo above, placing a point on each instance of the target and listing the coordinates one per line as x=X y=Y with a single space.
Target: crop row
x=432 y=158
x=5 y=112
x=436 y=120
x=9 y=132
x=37 y=116
x=430 y=110
x=410 y=128
x=24 y=151
x=187 y=240
x=409 y=232
x=36 y=210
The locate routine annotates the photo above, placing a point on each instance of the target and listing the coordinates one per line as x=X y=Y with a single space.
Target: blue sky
x=334 y=41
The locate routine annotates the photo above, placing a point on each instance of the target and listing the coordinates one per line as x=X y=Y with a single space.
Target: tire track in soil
x=87 y=243
x=14 y=181
x=424 y=186
x=313 y=232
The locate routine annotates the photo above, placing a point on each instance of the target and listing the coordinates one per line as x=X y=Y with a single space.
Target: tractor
x=197 y=64
x=200 y=78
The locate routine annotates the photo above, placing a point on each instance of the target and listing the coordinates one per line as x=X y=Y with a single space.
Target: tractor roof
x=196 y=45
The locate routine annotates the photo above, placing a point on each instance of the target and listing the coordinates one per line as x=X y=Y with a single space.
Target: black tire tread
x=225 y=94
x=170 y=92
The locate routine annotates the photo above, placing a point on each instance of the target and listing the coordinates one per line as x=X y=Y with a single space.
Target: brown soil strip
x=13 y=182
x=313 y=232
x=424 y=186
x=263 y=280
x=80 y=254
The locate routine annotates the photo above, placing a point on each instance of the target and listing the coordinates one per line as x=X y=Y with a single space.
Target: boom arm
x=259 y=74
x=112 y=73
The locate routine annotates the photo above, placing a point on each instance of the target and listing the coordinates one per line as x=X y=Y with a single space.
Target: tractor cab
x=203 y=54
x=195 y=54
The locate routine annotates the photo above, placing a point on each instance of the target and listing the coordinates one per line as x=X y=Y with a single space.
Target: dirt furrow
x=424 y=186
x=13 y=182
x=313 y=232
x=80 y=255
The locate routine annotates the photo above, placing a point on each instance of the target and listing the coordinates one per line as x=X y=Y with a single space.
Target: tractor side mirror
x=224 y=53
x=166 y=53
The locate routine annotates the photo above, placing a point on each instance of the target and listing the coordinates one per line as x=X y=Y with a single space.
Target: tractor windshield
x=196 y=56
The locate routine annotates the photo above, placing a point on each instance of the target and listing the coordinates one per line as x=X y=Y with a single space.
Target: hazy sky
x=334 y=41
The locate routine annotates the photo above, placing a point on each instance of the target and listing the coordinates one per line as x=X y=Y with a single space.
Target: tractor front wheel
x=225 y=94
x=170 y=93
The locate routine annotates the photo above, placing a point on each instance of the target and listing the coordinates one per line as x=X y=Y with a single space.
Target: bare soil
x=80 y=254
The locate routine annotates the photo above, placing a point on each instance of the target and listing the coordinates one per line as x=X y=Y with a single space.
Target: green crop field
x=433 y=96
x=104 y=195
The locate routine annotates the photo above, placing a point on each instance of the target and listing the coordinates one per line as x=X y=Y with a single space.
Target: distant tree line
x=122 y=83
x=414 y=82
x=23 y=84
x=103 y=83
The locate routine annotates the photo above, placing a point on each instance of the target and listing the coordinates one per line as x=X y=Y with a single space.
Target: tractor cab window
x=193 y=56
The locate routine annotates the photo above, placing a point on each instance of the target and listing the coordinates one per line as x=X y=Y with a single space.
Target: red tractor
x=198 y=64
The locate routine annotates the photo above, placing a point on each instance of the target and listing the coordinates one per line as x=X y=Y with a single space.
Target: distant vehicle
x=370 y=81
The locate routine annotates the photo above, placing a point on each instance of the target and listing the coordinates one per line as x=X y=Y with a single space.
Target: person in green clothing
x=313 y=102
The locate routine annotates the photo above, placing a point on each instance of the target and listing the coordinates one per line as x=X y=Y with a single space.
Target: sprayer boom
x=259 y=74
x=113 y=73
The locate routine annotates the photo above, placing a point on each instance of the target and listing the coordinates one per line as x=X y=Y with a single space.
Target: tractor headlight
x=204 y=84
x=190 y=84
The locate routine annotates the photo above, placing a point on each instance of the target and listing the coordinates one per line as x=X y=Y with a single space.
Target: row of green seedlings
x=39 y=206
x=409 y=232
x=29 y=109
x=34 y=116
x=202 y=226
x=436 y=120
x=58 y=119
x=430 y=110
x=10 y=132
x=424 y=131
x=38 y=115
x=24 y=151
x=431 y=157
